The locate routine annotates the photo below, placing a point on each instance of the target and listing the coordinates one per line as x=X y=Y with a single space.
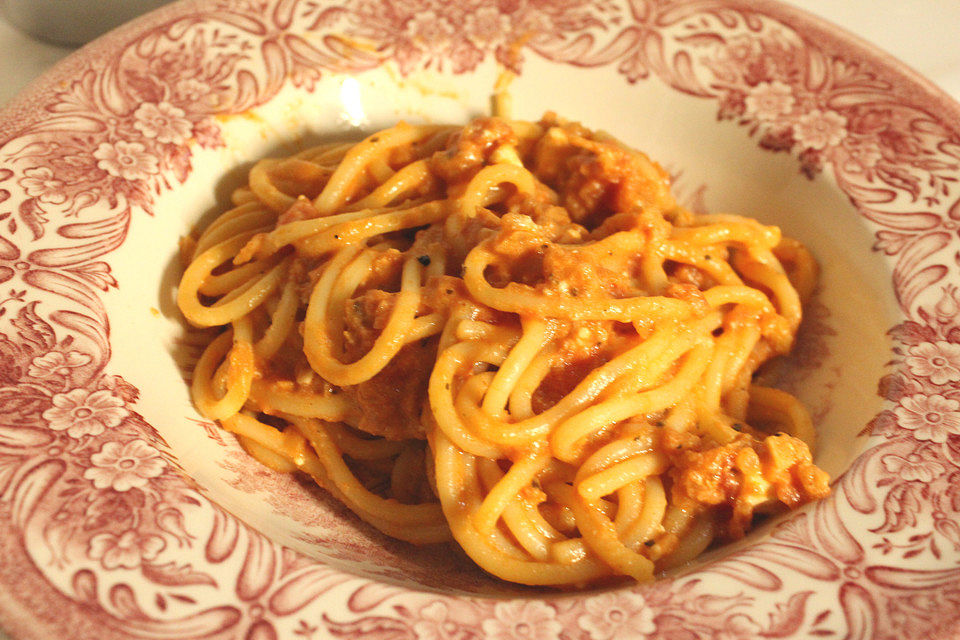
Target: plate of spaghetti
x=515 y=320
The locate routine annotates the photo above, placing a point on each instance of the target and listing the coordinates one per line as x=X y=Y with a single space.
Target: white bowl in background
x=73 y=22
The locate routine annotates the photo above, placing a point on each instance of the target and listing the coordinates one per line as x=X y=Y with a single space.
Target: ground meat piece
x=607 y=268
x=301 y=209
x=554 y=221
x=686 y=274
x=746 y=474
x=708 y=477
x=441 y=293
x=463 y=231
x=564 y=377
x=690 y=294
x=471 y=149
x=604 y=179
x=385 y=271
x=581 y=272
x=594 y=177
x=586 y=347
x=390 y=403
x=788 y=466
x=364 y=317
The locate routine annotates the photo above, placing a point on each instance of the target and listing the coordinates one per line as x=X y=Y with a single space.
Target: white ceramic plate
x=126 y=515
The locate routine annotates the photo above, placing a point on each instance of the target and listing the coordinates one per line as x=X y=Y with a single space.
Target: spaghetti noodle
x=510 y=335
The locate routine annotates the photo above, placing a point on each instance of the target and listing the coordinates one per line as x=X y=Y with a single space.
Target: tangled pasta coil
x=510 y=335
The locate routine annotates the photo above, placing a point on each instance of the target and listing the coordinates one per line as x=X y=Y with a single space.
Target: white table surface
x=923 y=33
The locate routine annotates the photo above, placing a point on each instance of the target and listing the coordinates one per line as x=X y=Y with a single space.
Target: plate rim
x=798 y=531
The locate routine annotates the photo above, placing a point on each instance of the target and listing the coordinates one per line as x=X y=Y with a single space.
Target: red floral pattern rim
x=97 y=522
